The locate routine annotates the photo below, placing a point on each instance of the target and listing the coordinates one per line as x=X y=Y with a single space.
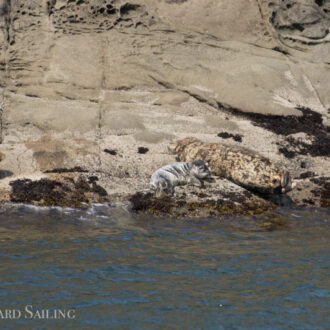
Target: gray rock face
x=309 y=19
x=81 y=76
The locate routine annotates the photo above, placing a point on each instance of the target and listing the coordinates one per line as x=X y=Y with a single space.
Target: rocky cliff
x=105 y=85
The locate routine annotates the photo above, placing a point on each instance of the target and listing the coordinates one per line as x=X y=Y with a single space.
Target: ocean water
x=105 y=268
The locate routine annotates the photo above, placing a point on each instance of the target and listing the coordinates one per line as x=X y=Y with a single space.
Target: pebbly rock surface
x=107 y=85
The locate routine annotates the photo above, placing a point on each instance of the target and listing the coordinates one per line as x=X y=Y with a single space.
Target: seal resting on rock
x=241 y=166
x=168 y=177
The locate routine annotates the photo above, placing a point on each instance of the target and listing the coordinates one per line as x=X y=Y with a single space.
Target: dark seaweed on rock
x=98 y=189
x=27 y=191
x=320 y=147
x=93 y=178
x=46 y=192
x=142 y=150
x=303 y=164
x=76 y=169
x=182 y=207
x=110 y=151
x=323 y=192
x=287 y=153
x=307 y=174
x=310 y=123
x=235 y=137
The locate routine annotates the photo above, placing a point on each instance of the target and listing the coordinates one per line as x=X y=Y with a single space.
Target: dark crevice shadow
x=5 y=174
x=277 y=199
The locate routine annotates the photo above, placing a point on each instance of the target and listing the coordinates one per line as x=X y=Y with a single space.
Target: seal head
x=200 y=169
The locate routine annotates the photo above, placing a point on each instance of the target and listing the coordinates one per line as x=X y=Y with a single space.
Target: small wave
x=92 y=212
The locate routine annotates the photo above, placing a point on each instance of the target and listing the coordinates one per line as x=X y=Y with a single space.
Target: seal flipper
x=286 y=181
x=196 y=182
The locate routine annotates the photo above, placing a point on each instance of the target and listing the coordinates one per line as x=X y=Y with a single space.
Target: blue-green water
x=116 y=271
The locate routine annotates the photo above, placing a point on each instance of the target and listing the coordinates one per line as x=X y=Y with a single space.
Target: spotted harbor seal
x=241 y=166
x=168 y=177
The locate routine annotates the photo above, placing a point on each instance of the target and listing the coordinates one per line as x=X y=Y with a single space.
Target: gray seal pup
x=165 y=179
x=241 y=166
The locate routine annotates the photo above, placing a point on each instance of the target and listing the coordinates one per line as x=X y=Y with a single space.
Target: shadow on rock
x=5 y=174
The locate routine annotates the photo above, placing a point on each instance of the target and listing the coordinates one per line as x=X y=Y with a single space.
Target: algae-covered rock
x=210 y=202
x=322 y=191
x=66 y=193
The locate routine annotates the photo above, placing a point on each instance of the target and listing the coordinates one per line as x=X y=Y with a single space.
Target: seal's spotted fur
x=241 y=166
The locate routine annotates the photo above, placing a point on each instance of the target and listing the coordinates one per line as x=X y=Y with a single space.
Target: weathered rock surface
x=79 y=77
x=306 y=22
